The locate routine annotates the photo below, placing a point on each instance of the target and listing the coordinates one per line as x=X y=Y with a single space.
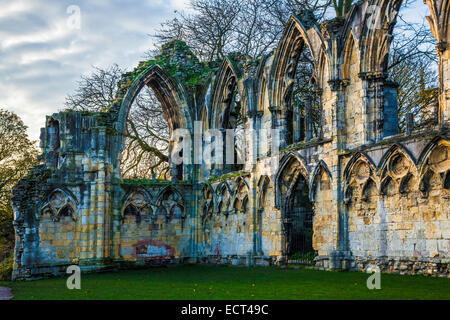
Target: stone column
x=298 y=133
x=339 y=258
x=308 y=120
x=218 y=168
x=444 y=83
x=338 y=131
x=280 y=121
x=53 y=143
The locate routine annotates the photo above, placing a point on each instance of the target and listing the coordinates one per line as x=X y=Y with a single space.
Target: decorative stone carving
x=399 y=166
x=138 y=204
x=240 y=203
x=59 y=204
x=440 y=159
x=398 y=173
x=359 y=180
x=173 y=204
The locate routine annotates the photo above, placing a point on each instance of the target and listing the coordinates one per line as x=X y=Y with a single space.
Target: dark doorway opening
x=298 y=224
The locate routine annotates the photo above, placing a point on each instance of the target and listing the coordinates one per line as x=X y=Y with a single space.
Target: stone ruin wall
x=379 y=197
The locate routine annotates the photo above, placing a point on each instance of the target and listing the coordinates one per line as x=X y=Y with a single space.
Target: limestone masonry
x=353 y=194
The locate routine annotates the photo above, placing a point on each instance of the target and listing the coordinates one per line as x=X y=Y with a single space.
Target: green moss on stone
x=178 y=61
x=228 y=176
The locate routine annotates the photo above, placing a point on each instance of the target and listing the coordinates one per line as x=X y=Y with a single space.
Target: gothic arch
x=170 y=198
x=320 y=55
x=261 y=85
x=434 y=163
x=224 y=185
x=264 y=185
x=223 y=194
x=353 y=161
x=320 y=169
x=368 y=187
x=359 y=170
x=207 y=210
x=169 y=92
x=348 y=42
x=240 y=183
x=297 y=211
x=208 y=201
x=140 y=190
x=57 y=201
x=240 y=194
x=294 y=38
x=349 y=46
x=167 y=190
x=395 y=149
x=226 y=86
x=140 y=199
x=439 y=18
x=291 y=166
x=208 y=189
x=378 y=25
x=262 y=90
x=237 y=205
x=425 y=154
x=397 y=167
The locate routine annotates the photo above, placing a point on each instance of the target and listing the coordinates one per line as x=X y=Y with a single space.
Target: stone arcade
x=355 y=194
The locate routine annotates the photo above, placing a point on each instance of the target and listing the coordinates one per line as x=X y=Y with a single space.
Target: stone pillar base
x=340 y=260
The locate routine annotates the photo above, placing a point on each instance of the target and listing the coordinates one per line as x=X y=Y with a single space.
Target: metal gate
x=298 y=232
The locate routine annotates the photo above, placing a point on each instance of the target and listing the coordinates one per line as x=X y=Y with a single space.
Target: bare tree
x=208 y=30
x=280 y=11
x=342 y=7
x=147 y=139
x=413 y=64
x=215 y=28
x=96 y=91
x=146 y=148
x=417 y=92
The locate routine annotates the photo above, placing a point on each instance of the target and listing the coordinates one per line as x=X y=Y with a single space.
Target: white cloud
x=59 y=31
x=13 y=7
x=179 y=4
x=41 y=58
x=54 y=54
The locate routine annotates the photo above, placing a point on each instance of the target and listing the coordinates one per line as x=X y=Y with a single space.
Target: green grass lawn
x=221 y=282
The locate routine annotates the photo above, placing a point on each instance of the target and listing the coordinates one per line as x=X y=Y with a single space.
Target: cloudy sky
x=43 y=53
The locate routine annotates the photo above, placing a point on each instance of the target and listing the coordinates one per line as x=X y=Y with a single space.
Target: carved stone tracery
x=59 y=204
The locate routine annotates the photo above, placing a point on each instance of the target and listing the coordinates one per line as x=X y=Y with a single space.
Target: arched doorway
x=298 y=223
